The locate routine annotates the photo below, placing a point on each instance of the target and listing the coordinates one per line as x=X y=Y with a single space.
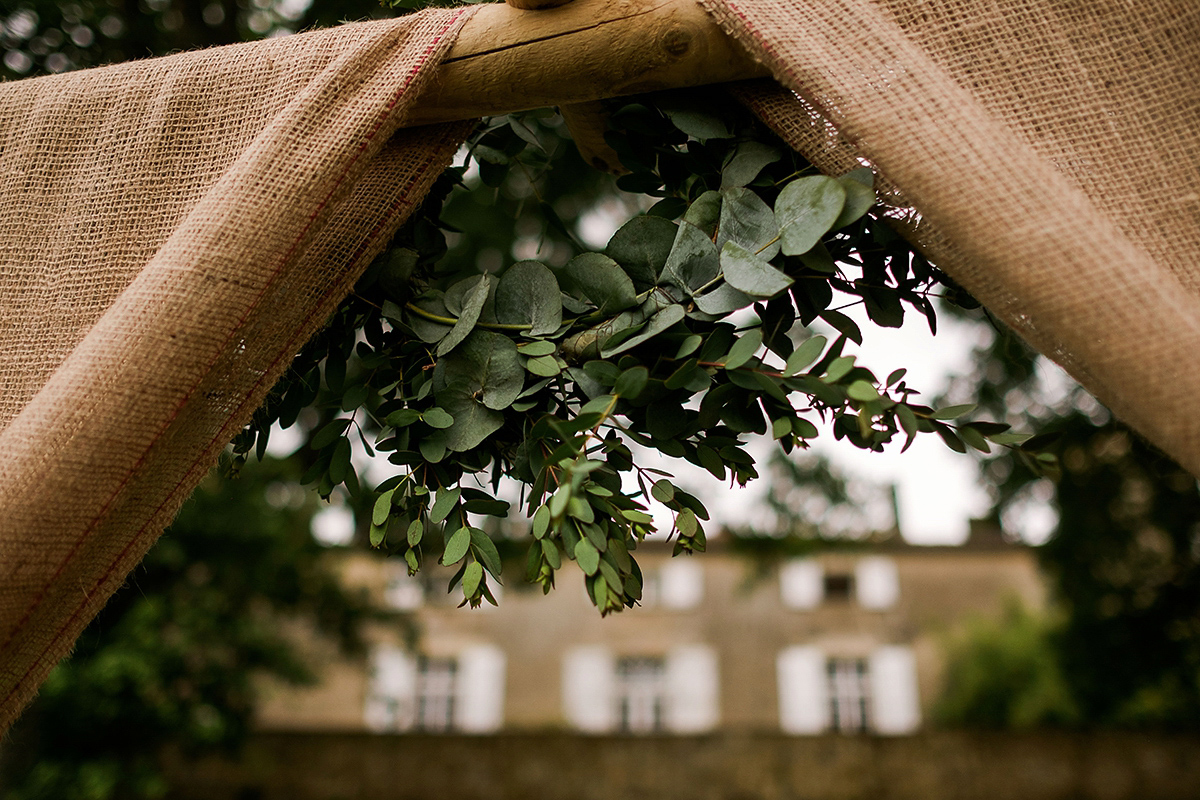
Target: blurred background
x=925 y=624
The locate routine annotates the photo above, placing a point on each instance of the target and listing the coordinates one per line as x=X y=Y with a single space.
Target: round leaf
x=457 y=546
x=602 y=282
x=806 y=210
x=528 y=294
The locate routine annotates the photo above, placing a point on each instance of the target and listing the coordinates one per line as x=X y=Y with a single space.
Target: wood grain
x=508 y=59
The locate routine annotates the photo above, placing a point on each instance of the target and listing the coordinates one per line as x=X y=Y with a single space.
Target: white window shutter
x=588 y=689
x=877 y=582
x=391 y=693
x=692 y=689
x=802 y=583
x=479 y=700
x=681 y=583
x=803 y=690
x=896 y=708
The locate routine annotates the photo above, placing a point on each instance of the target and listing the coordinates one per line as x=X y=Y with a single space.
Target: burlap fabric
x=1045 y=154
x=171 y=232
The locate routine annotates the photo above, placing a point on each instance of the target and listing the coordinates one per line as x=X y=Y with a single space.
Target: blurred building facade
x=847 y=641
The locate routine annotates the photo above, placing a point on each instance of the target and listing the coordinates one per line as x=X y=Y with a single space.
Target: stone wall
x=933 y=766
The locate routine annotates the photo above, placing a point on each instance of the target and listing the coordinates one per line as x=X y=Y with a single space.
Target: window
x=804 y=583
x=849 y=694
x=640 y=689
x=818 y=692
x=839 y=587
x=676 y=584
x=677 y=691
x=435 y=694
x=463 y=693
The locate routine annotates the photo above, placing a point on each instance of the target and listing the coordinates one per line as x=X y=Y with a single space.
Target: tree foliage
x=684 y=335
x=176 y=656
x=1124 y=557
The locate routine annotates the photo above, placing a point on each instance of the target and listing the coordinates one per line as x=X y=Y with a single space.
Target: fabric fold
x=173 y=231
x=1045 y=155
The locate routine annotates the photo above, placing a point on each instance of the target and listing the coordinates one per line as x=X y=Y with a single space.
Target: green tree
x=1006 y=674
x=1124 y=558
x=175 y=658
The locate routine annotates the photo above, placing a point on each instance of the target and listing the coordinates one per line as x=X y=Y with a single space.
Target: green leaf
x=433 y=448
x=804 y=355
x=437 y=418
x=550 y=551
x=690 y=345
x=487 y=364
x=457 y=546
x=663 y=491
x=859 y=199
x=908 y=420
x=528 y=294
x=329 y=434
x=668 y=317
x=694 y=259
x=377 y=533
x=339 y=465
x=744 y=348
x=602 y=282
x=687 y=523
x=559 y=500
x=748 y=273
x=863 y=175
x=403 y=418
x=543 y=366
x=705 y=212
x=722 y=300
x=839 y=368
x=471 y=578
x=1010 y=438
x=695 y=122
x=749 y=222
x=383 y=508
x=444 y=504
x=416 y=529
x=747 y=161
x=534 y=349
x=953 y=412
x=485 y=549
x=844 y=325
x=631 y=382
x=473 y=421
x=427 y=330
x=588 y=556
x=862 y=391
x=974 y=438
x=541 y=521
x=952 y=441
x=781 y=427
x=641 y=247
x=806 y=210
x=476 y=296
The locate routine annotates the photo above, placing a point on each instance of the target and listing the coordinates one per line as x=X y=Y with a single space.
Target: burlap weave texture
x=1046 y=155
x=171 y=232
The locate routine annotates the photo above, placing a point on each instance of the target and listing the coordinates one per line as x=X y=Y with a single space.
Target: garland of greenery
x=684 y=336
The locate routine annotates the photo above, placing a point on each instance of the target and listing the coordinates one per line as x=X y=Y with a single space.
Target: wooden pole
x=509 y=59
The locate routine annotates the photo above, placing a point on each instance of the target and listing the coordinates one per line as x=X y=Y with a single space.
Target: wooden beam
x=508 y=59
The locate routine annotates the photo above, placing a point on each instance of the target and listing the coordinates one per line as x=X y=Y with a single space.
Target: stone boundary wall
x=552 y=766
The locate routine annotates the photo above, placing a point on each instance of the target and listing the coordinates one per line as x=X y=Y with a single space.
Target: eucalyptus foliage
x=686 y=334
